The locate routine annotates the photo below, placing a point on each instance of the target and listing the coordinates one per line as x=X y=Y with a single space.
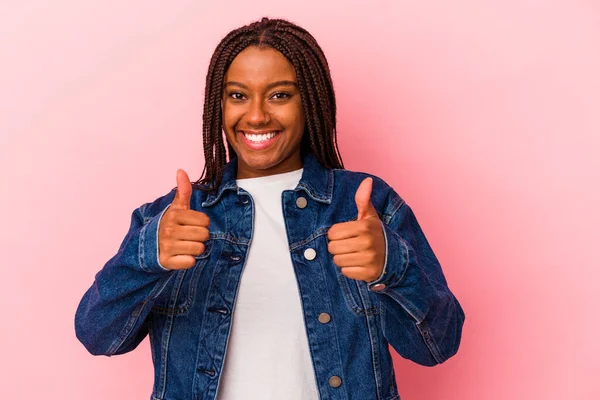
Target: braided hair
x=314 y=83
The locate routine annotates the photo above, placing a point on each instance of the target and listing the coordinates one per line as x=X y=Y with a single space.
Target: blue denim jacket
x=188 y=313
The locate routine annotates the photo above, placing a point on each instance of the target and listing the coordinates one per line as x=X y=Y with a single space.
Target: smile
x=259 y=140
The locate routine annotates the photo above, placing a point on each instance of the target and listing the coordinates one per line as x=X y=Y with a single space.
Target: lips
x=259 y=140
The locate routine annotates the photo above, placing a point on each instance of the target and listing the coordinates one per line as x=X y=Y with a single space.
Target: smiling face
x=263 y=117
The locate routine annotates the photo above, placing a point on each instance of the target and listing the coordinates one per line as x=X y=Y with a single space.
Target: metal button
x=235 y=257
x=324 y=318
x=335 y=381
x=301 y=202
x=378 y=287
x=310 y=254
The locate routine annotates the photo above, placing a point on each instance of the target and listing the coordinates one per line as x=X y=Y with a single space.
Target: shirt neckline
x=275 y=178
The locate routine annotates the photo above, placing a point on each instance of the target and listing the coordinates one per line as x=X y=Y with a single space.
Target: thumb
x=184 y=191
x=363 y=200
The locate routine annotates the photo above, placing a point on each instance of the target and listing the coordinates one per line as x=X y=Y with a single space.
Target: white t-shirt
x=268 y=355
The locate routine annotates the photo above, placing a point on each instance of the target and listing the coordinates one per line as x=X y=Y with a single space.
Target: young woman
x=279 y=274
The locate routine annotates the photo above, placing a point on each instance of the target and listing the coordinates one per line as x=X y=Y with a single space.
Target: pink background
x=484 y=115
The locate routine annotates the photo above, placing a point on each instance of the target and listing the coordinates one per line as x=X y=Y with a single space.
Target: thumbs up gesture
x=182 y=231
x=358 y=247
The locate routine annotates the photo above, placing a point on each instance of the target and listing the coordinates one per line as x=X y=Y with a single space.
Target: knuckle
x=170 y=214
x=331 y=232
x=169 y=230
x=205 y=234
x=364 y=226
x=372 y=256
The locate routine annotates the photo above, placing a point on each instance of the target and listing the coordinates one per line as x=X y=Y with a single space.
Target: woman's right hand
x=182 y=231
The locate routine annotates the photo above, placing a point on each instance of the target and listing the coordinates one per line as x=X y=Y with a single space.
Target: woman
x=335 y=266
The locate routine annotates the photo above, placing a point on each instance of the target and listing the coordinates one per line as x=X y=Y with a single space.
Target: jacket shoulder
x=383 y=196
x=152 y=208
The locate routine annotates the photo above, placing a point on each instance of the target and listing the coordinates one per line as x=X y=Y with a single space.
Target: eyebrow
x=269 y=86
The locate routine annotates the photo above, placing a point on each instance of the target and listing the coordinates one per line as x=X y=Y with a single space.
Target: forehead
x=260 y=66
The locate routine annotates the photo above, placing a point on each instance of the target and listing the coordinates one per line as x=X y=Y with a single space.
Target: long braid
x=314 y=83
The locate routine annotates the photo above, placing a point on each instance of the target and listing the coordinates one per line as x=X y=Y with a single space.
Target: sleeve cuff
x=149 y=257
x=396 y=257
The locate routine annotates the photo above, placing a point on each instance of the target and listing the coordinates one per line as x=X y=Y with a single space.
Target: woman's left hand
x=358 y=247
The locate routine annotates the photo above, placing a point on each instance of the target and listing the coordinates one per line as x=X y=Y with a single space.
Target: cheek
x=228 y=125
x=293 y=118
x=229 y=118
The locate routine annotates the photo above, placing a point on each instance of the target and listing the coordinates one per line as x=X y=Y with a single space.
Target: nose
x=257 y=114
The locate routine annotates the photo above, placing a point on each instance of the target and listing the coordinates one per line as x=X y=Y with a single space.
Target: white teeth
x=260 y=138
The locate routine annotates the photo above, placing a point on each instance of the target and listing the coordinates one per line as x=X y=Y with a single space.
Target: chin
x=260 y=162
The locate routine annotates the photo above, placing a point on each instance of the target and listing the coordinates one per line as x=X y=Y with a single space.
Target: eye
x=280 y=96
x=236 y=95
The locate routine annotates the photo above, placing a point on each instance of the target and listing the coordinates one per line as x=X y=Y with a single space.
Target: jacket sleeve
x=113 y=315
x=421 y=318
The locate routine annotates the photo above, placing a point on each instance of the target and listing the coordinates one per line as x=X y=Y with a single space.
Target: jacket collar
x=316 y=180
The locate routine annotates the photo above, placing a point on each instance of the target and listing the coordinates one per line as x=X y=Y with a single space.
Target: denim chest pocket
x=180 y=291
x=356 y=294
